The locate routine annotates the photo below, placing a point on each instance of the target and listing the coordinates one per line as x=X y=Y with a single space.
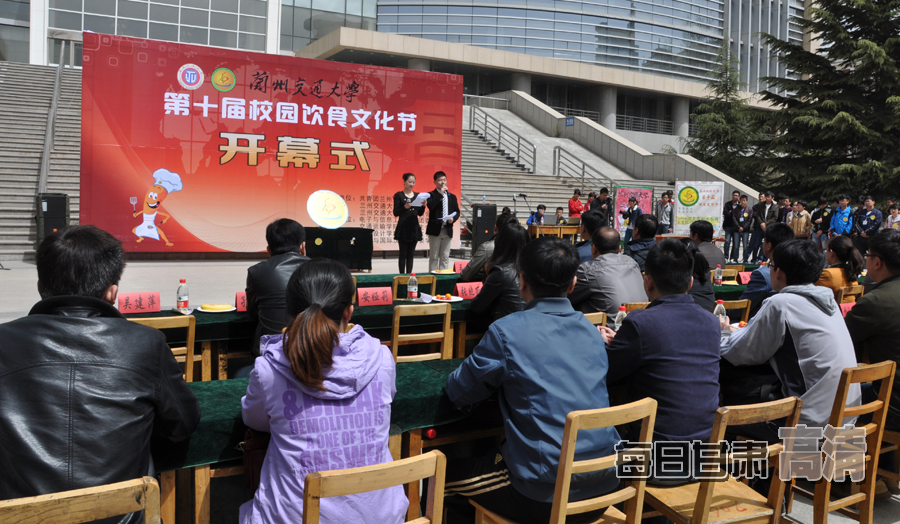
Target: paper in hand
x=451 y=216
x=419 y=200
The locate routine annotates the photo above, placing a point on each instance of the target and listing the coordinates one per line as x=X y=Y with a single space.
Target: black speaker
x=52 y=214
x=483 y=227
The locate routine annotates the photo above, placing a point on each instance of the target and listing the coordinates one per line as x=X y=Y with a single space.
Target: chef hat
x=170 y=181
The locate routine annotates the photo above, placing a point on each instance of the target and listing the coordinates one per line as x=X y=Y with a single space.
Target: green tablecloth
x=420 y=402
x=445 y=283
x=729 y=292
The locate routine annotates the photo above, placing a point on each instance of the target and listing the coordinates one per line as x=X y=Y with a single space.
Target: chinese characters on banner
x=196 y=149
x=147 y=302
x=644 y=196
x=698 y=201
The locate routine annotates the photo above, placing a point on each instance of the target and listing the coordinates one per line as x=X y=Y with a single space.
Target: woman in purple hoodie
x=325 y=396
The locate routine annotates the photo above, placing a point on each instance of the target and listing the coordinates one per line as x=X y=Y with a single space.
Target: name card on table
x=468 y=290
x=375 y=296
x=744 y=277
x=846 y=307
x=240 y=300
x=459 y=265
x=139 y=302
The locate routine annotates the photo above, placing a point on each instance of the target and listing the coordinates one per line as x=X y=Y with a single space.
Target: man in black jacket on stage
x=83 y=389
x=443 y=211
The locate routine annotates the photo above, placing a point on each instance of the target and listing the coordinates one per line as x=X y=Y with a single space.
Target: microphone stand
x=531 y=213
x=515 y=206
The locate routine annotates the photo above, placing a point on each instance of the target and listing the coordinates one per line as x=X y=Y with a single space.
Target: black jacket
x=500 y=293
x=81 y=391
x=435 y=205
x=728 y=214
x=605 y=214
x=639 y=249
x=266 y=283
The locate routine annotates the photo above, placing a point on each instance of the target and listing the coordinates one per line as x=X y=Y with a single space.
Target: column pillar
x=273 y=27
x=419 y=64
x=680 y=115
x=37 y=33
x=606 y=97
x=521 y=82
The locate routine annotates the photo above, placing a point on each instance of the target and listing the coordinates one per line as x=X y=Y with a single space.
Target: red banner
x=207 y=145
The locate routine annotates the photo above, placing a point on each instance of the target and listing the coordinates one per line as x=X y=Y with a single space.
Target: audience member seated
x=844 y=265
x=669 y=351
x=499 y=295
x=799 y=333
x=267 y=280
x=82 y=388
x=872 y=322
x=644 y=238
x=702 y=233
x=318 y=368
x=590 y=223
x=474 y=270
x=609 y=279
x=517 y=480
x=760 y=287
x=701 y=290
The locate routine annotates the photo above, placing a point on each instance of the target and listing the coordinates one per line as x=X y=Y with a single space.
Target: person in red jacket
x=575 y=205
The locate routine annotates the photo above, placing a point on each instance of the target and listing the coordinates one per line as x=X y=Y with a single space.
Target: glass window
x=252 y=42
x=414 y=10
x=14 y=43
x=200 y=4
x=100 y=24
x=389 y=9
x=333 y=6
x=434 y=10
x=489 y=11
x=368 y=23
x=229 y=39
x=252 y=7
x=287 y=22
x=134 y=28
x=229 y=6
x=434 y=19
x=71 y=5
x=164 y=32
x=193 y=35
x=130 y=9
x=354 y=7
x=369 y=8
x=302 y=3
x=15 y=10
x=65 y=20
x=324 y=23
x=163 y=13
x=353 y=22
x=459 y=10
x=252 y=24
x=465 y=20
x=169 y=2
x=195 y=17
x=302 y=23
x=285 y=44
x=300 y=43
x=226 y=21
x=100 y=7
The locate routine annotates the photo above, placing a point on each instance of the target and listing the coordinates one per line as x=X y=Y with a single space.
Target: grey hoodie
x=801 y=334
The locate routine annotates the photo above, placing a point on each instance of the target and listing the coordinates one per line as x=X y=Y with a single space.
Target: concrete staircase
x=479 y=156
x=26 y=92
x=65 y=159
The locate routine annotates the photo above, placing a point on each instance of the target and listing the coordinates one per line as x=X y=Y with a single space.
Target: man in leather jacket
x=82 y=388
x=267 y=280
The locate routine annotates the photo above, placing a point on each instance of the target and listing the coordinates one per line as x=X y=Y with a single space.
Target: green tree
x=836 y=118
x=727 y=137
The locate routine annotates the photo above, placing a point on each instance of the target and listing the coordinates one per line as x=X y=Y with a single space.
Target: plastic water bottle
x=720 y=313
x=484 y=199
x=181 y=297
x=412 y=287
x=717 y=279
x=620 y=318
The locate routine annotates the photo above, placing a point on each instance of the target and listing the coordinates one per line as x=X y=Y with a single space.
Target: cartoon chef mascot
x=165 y=183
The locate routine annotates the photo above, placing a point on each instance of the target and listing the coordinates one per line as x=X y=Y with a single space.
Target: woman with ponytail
x=845 y=264
x=324 y=393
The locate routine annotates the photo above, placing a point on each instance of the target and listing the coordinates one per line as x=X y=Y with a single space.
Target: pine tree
x=838 y=129
x=727 y=138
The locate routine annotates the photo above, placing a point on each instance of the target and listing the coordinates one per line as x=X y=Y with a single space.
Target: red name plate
x=458 y=266
x=745 y=276
x=139 y=302
x=847 y=307
x=374 y=296
x=240 y=300
x=468 y=290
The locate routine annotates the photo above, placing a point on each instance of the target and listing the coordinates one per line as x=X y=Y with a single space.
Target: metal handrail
x=482 y=101
x=505 y=139
x=472 y=212
x=645 y=125
x=51 y=123
x=568 y=111
x=565 y=163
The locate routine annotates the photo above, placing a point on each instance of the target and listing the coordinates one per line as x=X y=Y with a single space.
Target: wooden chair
x=597 y=319
x=852 y=291
x=444 y=337
x=423 y=280
x=839 y=296
x=182 y=354
x=633 y=492
x=431 y=465
x=730 y=500
x=864 y=499
x=735 y=267
x=727 y=274
x=86 y=505
x=631 y=306
x=739 y=304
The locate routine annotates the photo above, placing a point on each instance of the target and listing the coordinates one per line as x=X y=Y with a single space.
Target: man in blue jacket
x=869 y=224
x=842 y=218
x=517 y=480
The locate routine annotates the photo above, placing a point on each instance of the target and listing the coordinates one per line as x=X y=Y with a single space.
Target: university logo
x=688 y=196
x=327 y=209
x=190 y=76
x=222 y=79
